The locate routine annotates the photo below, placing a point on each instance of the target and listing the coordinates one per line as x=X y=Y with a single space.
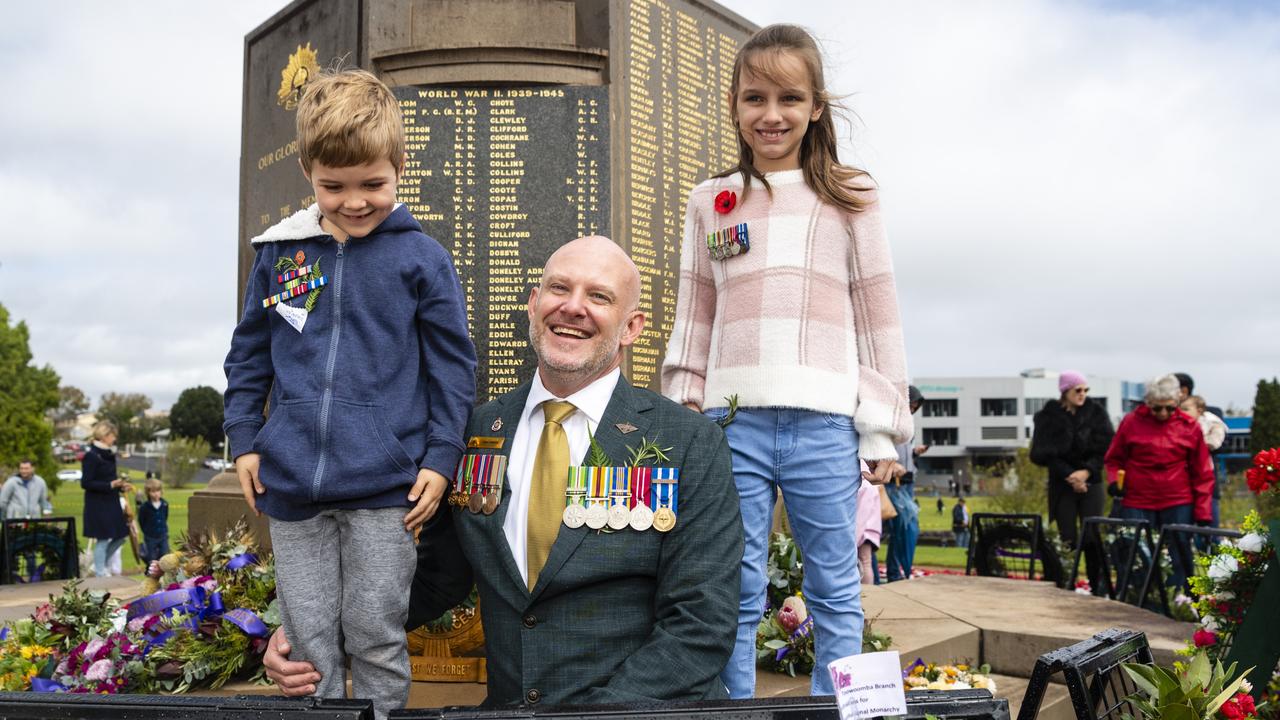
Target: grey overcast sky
x=1066 y=184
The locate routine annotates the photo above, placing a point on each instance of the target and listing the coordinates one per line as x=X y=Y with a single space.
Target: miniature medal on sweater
x=294 y=279
x=729 y=241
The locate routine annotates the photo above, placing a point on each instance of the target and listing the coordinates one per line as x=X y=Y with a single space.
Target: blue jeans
x=812 y=458
x=1179 y=551
x=103 y=549
x=903 y=530
x=962 y=538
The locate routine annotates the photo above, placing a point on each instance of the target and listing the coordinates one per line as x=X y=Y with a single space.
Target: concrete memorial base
x=1005 y=623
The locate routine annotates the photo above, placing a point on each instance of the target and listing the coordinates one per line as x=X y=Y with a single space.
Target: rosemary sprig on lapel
x=733 y=411
x=648 y=450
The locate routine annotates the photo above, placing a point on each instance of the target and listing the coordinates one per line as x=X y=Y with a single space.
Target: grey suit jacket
x=616 y=616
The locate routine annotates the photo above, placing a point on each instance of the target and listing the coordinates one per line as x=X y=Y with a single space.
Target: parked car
x=217 y=464
x=69 y=475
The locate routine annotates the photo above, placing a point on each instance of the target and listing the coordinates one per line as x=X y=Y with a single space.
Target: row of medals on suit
x=482 y=495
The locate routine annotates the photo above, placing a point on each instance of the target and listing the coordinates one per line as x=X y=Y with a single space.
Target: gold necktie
x=546 y=493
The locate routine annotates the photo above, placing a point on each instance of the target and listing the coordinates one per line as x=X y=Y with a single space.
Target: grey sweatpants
x=345 y=575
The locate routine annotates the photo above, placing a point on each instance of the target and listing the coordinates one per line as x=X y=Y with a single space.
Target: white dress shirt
x=590 y=402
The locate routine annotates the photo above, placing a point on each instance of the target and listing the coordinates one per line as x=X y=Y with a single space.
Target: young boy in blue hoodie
x=355 y=330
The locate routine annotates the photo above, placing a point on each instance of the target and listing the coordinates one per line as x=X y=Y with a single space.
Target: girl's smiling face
x=774 y=111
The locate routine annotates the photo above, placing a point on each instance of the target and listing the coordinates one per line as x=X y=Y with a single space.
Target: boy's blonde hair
x=349 y=118
x=153 y=484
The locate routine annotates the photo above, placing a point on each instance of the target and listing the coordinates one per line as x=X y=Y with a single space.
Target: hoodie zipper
x=326 y=397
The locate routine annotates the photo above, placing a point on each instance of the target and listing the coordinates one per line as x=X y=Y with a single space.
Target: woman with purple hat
x=1071 y=438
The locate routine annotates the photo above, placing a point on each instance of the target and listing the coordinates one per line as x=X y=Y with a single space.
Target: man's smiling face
x=584 y=313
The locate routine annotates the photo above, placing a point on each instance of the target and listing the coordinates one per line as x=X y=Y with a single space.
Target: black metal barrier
x=36 y=550
x=1177 y=540
x=62 y=706
x=1120 y=556
x=1095 y=681
x=1009 y=545
x=944 y=704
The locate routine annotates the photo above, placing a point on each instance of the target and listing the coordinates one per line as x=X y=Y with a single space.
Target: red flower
x=726 y=201
x=1231 y=710
x=1204 y=638
x=300 y=257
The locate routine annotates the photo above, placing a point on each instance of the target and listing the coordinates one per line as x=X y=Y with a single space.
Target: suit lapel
x=508 y=409
x=628 y=408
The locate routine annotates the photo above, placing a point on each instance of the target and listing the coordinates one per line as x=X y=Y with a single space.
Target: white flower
x=1208 y=623
x=119 y=618
x=1251 y=543
x=1225 y=595
x=1223 y=567
x=1246 y=686
x=916 y=681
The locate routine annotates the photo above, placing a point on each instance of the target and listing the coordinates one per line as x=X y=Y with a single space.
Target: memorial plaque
x=279 y=57
x=501 y=172
x=501 y=177
x=673 y=63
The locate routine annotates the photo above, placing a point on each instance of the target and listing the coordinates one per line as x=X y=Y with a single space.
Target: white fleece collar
x=298 y=226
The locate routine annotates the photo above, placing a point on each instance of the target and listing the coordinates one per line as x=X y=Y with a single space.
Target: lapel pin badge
x=497 y=425
x=626 y=428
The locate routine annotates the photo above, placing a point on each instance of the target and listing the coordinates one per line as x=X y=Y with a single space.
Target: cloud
x=1070 y=185
x=1065 y=184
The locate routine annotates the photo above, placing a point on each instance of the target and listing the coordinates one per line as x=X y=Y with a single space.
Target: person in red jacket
x=1168 y=477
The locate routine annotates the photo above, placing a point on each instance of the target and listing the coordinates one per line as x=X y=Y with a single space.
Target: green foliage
x=198 y=413
x=1192 y=691
x=596 y=456
x=785 y=569
x=733 y=411
x=648 y=450
x=182 y=459
x=1265 y=432
x=125 y=411
x=27 y=395
x=1028 y=494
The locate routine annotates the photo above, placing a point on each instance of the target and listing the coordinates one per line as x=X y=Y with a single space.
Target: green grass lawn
x=69 y=501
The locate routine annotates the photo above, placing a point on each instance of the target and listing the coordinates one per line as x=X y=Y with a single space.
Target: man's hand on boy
x=426 y=492
x=247 y=472
x=294 y=679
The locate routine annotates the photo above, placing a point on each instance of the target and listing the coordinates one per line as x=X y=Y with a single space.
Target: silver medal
x=619 y=517
x=575 y=516
x=641 y=518
x=597 y=517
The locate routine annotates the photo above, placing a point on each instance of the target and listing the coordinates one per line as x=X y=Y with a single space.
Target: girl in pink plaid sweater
x=787 y=300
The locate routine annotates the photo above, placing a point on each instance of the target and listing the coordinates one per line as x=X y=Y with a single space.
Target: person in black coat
x=1071 y=437
x=103 y=519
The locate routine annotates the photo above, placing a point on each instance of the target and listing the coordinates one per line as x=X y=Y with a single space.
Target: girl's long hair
x=833 y=182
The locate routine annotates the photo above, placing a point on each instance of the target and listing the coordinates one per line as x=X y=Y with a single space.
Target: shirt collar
x=590 y=400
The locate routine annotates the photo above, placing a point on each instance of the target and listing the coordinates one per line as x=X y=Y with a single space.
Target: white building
x=976 y=422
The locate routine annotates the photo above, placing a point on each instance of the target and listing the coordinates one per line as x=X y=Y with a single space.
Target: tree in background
x=183 y=459
x=198 y=413
x=71 y=402
x=27 y=394
x=1265 y=431
x=1026 y=492
x=125 y=410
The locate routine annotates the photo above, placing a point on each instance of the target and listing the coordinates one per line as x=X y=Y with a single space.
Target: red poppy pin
x=300 y=257
x=726 y=201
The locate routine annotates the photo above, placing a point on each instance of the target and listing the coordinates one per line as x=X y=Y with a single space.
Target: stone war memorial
x=529 y=123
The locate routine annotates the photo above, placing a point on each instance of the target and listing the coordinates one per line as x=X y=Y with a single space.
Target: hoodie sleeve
x=451 y=365
x=248 y=365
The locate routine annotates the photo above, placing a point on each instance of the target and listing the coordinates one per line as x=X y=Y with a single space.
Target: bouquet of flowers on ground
x=208 y=620
x=211 y=613
x=1225 y=584
x=957 y=676
x=1195 y=690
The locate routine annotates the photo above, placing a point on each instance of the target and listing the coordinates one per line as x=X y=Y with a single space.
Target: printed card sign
x=869 y=685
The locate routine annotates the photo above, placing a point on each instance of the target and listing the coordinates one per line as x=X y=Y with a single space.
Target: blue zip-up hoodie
x=379 y=382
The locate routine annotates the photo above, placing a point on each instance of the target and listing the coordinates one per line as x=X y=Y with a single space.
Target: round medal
x=734 y=249
x=664 y=519
x=619 y=517
x=597 y=517
x=641 y=518
x=476 y=503
x=490 y=503
x=575 y=516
